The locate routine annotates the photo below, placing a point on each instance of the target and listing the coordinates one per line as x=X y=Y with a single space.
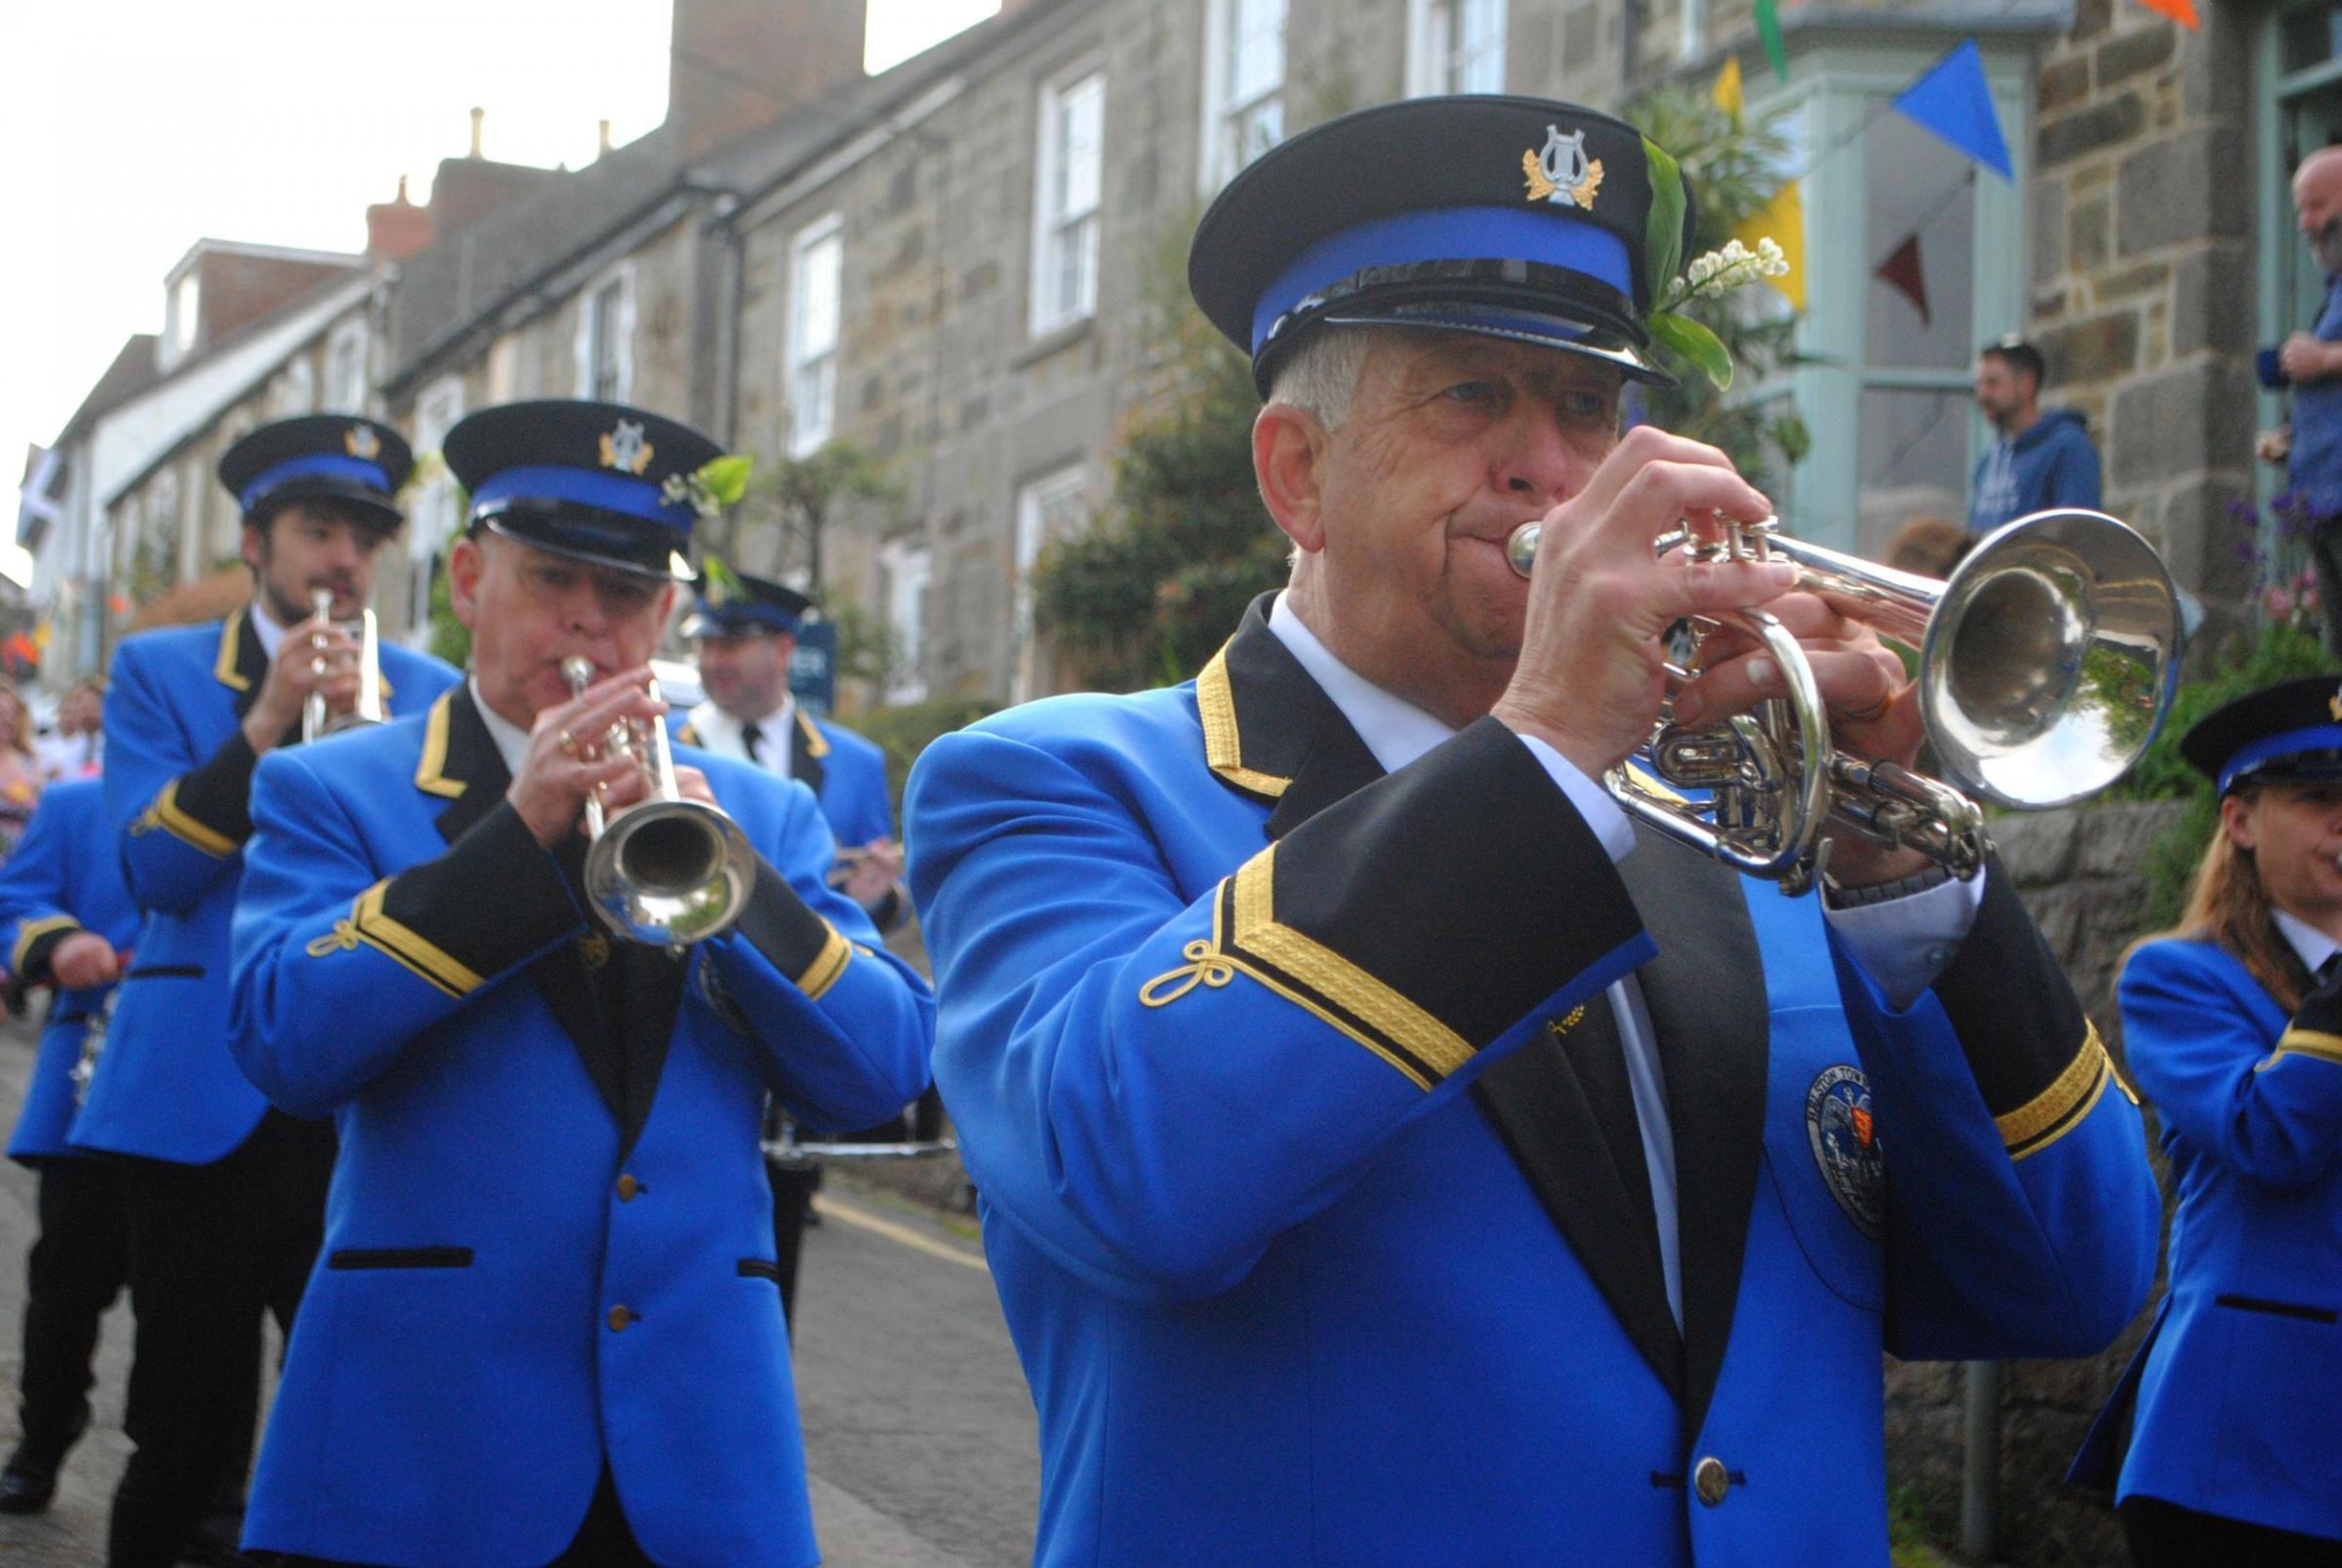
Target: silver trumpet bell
x=666 y=871
x=315 y=721
x=2047 y=663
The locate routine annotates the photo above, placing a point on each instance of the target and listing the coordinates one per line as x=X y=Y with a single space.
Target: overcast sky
x=132 y=130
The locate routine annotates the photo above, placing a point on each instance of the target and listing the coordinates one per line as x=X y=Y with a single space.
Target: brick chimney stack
x=397 y=230
x=735 y=66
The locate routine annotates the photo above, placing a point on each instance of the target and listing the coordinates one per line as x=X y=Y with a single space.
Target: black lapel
x=243 y=667
x=806 y=748
x=1707 y=1000
x=650 y=990
x=460 y=754
x=1539 y=1100
x=1271 y=731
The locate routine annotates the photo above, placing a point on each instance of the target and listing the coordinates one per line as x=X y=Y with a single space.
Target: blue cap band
x=587 y=487
x=2283 y=743
x=745 y=614
x=1446 y=234
x=315 y=466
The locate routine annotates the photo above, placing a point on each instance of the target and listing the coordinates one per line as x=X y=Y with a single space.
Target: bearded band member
x=224 y=1194
x=544 y=1326
x=1383 y=1157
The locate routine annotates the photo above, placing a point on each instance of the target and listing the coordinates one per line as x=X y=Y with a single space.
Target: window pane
x=2313 y=36
x=1081 y=149
x=1479 y=49
x=818 y=265
x=1913 y=450
x=1916 y=184
x=1258 y=129
x=1257 y=48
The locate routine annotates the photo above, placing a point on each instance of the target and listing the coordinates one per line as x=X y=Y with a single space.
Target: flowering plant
x=1713 y=274
x=2277 y=548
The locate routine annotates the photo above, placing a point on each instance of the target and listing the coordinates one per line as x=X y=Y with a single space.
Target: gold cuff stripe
x=167 y=814
x=830 y=963
x=32 y=930
x=430 y=774
x=402 y=943
x=1216 y=706
x=2316 y=1043
x=2048 y=1115
x=224 y=668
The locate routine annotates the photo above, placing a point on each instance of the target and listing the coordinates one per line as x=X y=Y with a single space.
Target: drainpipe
x=1980 y=1465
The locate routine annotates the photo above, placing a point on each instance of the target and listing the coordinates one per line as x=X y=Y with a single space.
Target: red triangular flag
x=2182 y=12
x=1904 y=273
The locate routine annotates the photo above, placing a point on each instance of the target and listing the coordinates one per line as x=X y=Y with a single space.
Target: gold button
x=620 y=1317
x=629 y=1189
x=1709 y=1480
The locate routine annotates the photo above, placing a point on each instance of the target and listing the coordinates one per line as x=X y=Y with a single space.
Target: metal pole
x=1980 y=1466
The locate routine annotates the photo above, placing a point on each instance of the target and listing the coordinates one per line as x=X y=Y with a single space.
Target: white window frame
x=1224 y=112
x=1067 y=221
x=295 y=389
x=1049 y=495
x=346 y=387
x=1432 y=64
x=813 y=355
x=909 y=568
x=182 y=309
x=619 y=280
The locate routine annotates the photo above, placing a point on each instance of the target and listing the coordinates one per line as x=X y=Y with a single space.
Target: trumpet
x=315 y=720
x=2047 y=663
x=666 y=871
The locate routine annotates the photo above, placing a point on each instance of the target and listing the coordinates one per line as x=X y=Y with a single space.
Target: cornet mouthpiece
x=1520 y=546
x=578 y=673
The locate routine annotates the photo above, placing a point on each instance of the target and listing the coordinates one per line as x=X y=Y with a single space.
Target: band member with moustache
x=546 y=1295
x=225 y=1195
x=67 y=922
x=744 y=631
x=1385 y=1157
x=2219 y=1439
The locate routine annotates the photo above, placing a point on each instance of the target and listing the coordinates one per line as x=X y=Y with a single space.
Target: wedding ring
x=569 y=742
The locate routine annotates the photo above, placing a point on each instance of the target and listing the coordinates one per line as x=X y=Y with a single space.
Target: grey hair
x=1322 y=376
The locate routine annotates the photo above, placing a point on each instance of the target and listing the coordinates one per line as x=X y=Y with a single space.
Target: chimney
x=736 y=65
x=397 y=230
x=605 y=137
x=479 y=118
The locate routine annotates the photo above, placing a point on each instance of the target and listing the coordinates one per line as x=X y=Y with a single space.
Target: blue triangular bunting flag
x=1956 y=102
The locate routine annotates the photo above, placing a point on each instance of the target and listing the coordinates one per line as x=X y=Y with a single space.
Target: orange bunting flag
x=2182 y=12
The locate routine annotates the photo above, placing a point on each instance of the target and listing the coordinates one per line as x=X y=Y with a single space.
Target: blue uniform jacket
x=177 y=783
x=64 y=876
x=1306 y=1154
x=2231 y=1400
x=845 y=770
x=550 y=1241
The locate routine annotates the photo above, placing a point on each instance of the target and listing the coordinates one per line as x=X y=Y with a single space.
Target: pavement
x=920 y=1434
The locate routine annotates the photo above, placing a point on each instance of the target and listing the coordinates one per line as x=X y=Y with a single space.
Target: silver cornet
x=2047 y=663
x=315 y=721
x=666 y=870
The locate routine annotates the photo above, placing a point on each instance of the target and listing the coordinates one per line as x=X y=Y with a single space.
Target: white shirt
x=1903 y=943
x=2313 y=944
x=719 y=732
x=511 y=741
x=272 y=632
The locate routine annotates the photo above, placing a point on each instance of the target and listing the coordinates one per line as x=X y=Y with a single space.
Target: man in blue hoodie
x=2043 y=457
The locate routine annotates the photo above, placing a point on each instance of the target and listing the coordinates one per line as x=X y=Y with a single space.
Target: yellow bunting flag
x=1728 y=92
x=1782 y=222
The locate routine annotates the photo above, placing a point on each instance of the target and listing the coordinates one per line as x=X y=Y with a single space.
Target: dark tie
x=751 y=737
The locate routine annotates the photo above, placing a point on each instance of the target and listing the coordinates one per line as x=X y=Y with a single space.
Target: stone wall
x=2078 y=872
x=2142 y=221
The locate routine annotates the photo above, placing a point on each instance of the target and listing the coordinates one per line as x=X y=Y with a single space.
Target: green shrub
x=906 y=729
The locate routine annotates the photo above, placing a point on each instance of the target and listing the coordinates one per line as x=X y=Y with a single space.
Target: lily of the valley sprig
x=1716 y=273
x=718 y=483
